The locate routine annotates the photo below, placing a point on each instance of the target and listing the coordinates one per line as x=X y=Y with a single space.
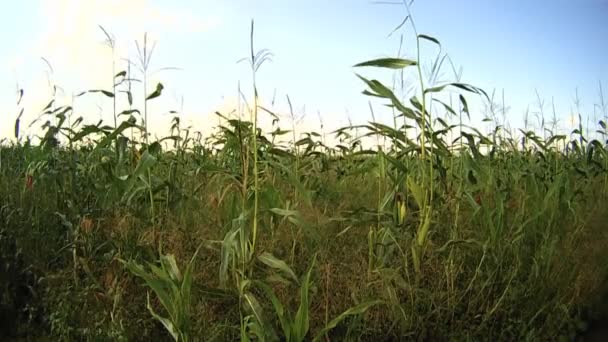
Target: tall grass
x=476 y=236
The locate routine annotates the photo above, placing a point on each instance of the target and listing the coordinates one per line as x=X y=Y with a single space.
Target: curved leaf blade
x=388 y=63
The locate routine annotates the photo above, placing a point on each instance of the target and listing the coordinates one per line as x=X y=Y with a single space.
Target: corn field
x=424 y=229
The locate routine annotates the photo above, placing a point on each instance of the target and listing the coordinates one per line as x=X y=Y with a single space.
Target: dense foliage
x=241 y=235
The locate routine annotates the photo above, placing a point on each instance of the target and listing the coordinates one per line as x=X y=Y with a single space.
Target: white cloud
x=70 y=38
x=181 y=20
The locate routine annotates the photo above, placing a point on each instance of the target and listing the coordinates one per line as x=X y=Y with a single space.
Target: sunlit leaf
x=390 y=63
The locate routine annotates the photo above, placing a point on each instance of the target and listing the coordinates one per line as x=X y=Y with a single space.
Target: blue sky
x=519 y=46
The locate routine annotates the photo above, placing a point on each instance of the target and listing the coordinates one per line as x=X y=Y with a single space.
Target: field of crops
x=425 y=229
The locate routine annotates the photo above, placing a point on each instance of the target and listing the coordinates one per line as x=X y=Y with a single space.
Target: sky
x=520 y=47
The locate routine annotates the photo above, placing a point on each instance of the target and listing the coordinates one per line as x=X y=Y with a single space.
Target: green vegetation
x=436 y=232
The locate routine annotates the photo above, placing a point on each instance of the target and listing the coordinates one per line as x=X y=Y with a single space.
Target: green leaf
x=455 y=242
x=17 y=121
x=129 y=97
x=446 y=106
x=301 y=324
x=379 y=89
x=86 y=130
x=228 y=245
x=465 y=105
x=129 y=112
x=156 y=284
x=112 y=136
x=169 y=260
x=276 y=278
x=284 y=212
x=186 y=287
x=146 y=161
x=281 y=153
x=355 y=310
x=400 y=165
x=104 y=92
x=165 y=322
x=424 y=228
x=77 y=122
x=462 y=86
x=390 y=63
x=429 y=38
x=293 y=180
x=157 y=92
x=283 y=315
x=416 y=190
x=471 y=143
x=49 y=105
x=278 y=264
x=259 y=326
x=254 y=306
x=280 y=131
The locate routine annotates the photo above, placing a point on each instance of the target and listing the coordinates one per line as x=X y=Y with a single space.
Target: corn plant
x=173 y=290
x=434 y=227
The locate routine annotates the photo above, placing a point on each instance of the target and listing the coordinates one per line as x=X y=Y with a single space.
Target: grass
x=420 y=236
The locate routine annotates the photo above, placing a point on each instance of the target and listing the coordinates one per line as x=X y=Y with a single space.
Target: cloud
x=181 y=20
x=69 y=37
x=72 y=39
